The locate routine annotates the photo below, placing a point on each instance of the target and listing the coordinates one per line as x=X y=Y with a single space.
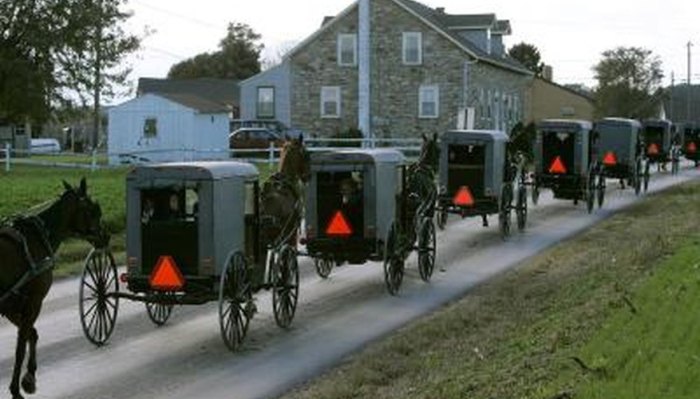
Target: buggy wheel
x=521 y=208
x=647 y=176
x=285 y=286
x=638 y=177
x=504 y=221
x=159 y=313
x=535 y=194
x=427 y=245
x=393 y=261
x=324 y=266
x=589 y=190
x=441 y=219
x=98 y=309
x=601 y=190
x=235 y=301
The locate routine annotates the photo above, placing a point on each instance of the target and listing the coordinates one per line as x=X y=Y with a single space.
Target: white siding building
x=167 y=128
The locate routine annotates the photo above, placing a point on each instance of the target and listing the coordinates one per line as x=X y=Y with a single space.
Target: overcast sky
x=571 y=35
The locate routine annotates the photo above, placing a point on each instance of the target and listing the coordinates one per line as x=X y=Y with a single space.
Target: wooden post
x=93 y=165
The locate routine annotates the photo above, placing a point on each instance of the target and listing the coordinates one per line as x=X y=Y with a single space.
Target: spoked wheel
x=427 y=245
x=324 y=266
x=159 y=313
x=638 y=177
x=441 y=218
x=521 y=208
x=235 y=301
x=393 y=261
x=590 y=191
x=504 y=221
x=285 y=286
x=647 y=176
x=601 y=190
x=98 y=309
x=535 y=194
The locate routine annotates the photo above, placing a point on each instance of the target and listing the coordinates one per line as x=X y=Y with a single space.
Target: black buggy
x=691 y=142
x=359 y=209
x=565 y=162
x=478 y=177
x=658 y=141
x=193 y=236
x=621 y=152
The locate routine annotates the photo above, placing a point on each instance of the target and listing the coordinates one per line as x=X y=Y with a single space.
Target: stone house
x=394 y=68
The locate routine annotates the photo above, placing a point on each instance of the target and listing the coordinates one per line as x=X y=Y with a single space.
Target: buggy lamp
x=124 y=278
x=132 y=264
x=692 y=148
x=370 y=231
x=488 y=192
x=207 y=265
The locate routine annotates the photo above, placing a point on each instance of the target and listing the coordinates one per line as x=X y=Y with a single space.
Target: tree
x=528 y=55
x=53 y=52
x=629 y=81
x=238 y=57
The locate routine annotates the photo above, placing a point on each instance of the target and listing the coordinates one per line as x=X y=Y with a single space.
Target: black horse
x=421 y=178
x=27 y=248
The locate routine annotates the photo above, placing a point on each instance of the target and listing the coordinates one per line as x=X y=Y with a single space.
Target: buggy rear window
x=169 y=204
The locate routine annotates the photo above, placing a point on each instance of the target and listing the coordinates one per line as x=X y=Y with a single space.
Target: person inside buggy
x=171 y=204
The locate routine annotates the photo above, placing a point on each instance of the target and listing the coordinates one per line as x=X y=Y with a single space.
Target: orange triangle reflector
x=166 y=276
x=463 y=197
x=692 y=148
x=610 y=159
x=653 y=149
x=557 y=167
x=339 y=226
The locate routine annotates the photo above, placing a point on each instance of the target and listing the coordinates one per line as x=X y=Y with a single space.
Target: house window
x=347 y=49
x=266 y=102
x=150 y=128
x=412 y=48
x=330 y=102
x=429 y=101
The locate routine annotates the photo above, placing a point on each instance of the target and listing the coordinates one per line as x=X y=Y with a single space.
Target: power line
x=181 y=16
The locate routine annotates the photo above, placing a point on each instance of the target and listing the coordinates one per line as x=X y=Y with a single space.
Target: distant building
x=394 y=68
x=18 y=136
x=167 y=127
x=224 y=92
x=676 y=103
x=549 y=100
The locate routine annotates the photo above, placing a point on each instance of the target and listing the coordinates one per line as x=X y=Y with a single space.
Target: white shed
x=167 y=128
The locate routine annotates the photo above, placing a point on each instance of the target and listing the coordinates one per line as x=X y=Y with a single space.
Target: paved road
x=186 y=358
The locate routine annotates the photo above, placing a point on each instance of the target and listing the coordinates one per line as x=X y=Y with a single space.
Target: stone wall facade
x=395 y=87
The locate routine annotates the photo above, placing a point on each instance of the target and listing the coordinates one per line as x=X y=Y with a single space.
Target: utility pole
x=671 y=116
x=97 y=121
x=690 y=88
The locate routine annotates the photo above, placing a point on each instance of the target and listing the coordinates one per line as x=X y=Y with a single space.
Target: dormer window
x=412 y=48
x=347 y=49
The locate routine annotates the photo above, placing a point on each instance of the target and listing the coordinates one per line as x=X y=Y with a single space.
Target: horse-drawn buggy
x=691 y=142
x=478 y=177
x=362 y=206
x=658 y=141
x=565 y=162
x=621 y=152
x=193 y=236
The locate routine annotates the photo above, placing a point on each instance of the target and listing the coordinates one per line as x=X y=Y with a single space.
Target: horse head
x=81 y=216
x=430 y=152
x=294 y=160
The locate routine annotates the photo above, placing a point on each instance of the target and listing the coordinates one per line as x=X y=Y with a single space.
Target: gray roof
x=565 y=124
x=359 y=156
x=222 y=91
x=481 y=135
x=467 y=20
x=196 y=103
x=657 y=122
x=326 y=20
x=438 y=19
x=619 y=121
x=195 y=171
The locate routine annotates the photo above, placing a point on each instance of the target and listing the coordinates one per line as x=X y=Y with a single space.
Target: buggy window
x=169 y=204
x=654 y=134
x=344 y=192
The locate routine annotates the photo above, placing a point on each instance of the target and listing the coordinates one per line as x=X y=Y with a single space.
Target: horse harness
x=16 y=231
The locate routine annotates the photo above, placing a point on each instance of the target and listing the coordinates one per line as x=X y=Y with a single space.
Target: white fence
x=100 y=160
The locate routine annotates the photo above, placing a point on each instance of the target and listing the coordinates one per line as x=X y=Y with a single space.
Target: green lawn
x=27 y=186
x=653 y=352
x=516 y=337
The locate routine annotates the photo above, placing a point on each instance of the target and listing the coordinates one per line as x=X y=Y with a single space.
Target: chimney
x=548 y=73
x=440 y=10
